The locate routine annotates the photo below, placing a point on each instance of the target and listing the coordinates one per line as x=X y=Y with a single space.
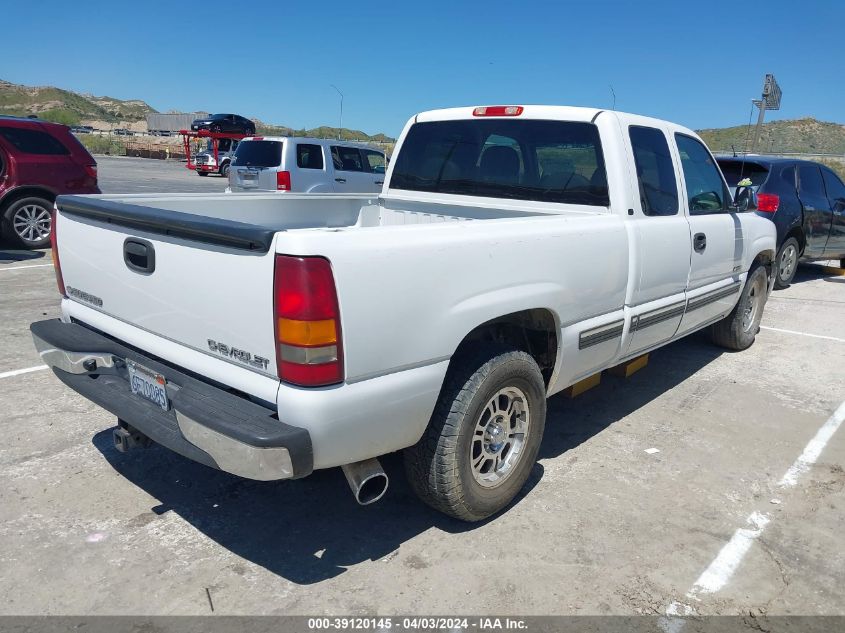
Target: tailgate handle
x=139 y=255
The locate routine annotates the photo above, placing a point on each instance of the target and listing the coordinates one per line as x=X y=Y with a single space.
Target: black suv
x=233 y=123
x=805 y=200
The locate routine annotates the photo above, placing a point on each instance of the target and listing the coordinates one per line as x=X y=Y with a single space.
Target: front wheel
x=202 y=173
x=483 y=437
x=224 y=170
x=738 y=330
x=787 y=263
x=29 y=222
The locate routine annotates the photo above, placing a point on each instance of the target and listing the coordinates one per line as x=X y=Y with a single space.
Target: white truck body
x=416 y=273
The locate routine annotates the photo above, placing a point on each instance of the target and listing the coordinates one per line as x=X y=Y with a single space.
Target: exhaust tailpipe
x=367 y=480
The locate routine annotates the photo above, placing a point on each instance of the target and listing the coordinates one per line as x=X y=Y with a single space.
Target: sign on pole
x=769 y=101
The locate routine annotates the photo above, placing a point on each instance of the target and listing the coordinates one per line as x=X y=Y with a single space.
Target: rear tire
x=842 y=263
x=28 y=222
x=786 y=263
x=483 y=437
x=738 y=330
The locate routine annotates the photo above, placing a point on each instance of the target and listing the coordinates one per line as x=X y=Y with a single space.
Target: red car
x=38 y=161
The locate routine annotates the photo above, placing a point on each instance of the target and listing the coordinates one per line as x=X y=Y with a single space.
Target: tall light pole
x=340 y=131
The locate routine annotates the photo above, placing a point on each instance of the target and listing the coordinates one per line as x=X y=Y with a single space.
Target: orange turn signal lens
x=307 y=333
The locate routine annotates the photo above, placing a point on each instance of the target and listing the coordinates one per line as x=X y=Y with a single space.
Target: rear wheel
x=28 y=221
x=738 y=330
x=786 y=263
x=483 y=437
x=842 y=263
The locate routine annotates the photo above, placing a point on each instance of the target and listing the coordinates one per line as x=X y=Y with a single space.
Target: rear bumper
x=205 y=422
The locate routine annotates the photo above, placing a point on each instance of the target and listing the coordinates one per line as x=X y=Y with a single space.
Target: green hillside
x=70 y=108
x=64 y=106
x=807 y=136
x=322 y=132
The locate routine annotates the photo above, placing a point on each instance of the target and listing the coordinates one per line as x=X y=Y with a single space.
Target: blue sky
x=695 y=63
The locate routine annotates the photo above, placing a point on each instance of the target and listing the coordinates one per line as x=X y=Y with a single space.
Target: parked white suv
x=305 y=165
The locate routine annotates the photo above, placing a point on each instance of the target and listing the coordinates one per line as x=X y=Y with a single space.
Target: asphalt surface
x=607 y=524
x=142 y=175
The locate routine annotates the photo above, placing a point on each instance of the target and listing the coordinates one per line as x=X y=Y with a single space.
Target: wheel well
x=532 y=331
x=798 y=234
x=23 y=192
x=766 y=259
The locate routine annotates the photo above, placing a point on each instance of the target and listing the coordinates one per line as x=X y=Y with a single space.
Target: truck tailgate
x=204 y=283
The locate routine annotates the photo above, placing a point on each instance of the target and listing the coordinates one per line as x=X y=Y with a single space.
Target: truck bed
x=238 y=219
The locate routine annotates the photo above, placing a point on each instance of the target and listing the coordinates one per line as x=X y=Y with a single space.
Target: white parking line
x=25 y=267
x=814 y=448
x=18 y=372
x=724 y=566
x=827 y=338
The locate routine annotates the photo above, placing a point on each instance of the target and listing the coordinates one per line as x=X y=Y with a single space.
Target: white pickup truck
x=513 y=251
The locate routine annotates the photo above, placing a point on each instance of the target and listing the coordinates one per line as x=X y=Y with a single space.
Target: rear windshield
x=736 y=170
x=547 y=161
x=258 y=154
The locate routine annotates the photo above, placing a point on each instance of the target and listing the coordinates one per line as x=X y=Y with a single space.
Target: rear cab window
x=29 y=141
x=535 y=160
x=706 y=190
x=258 y=154
x=655 y=171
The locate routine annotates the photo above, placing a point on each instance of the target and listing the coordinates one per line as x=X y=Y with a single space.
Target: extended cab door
x=835 y=248
x=661 y=237
x=816 y=206
x=717 y=238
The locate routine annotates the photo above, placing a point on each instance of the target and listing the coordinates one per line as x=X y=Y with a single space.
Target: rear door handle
x=699 y=242
x=340 y=179
x=379 y=182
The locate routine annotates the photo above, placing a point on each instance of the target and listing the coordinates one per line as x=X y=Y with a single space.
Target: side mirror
x=743 y=196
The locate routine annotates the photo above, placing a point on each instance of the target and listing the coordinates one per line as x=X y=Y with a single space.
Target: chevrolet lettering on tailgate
x=239 y=355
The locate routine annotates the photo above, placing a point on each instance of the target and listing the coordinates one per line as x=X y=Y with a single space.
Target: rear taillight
x=57 y=266
x=768 y=202
x=91 y=170
x=283 y=180
x=497 y=111
x=309 y=348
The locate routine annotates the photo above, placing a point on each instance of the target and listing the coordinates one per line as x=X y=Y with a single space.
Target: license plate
x=147 y=384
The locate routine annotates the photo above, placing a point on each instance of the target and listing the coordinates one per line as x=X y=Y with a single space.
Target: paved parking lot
x=738 y=510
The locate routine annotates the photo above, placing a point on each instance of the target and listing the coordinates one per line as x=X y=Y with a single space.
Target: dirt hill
x=70 y=108
x=808 y=136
